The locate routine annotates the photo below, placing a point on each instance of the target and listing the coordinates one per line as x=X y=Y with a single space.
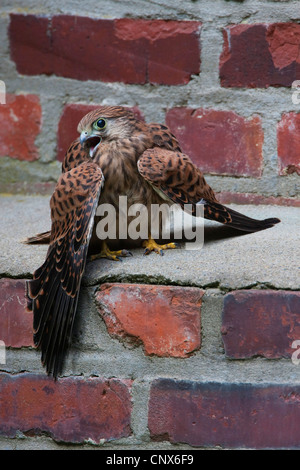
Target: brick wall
x=220 y=75
x=202 y=402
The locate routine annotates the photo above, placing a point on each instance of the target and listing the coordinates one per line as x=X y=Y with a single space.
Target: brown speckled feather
x=162 y=137
x=75 y=155
x=176 y=176
x=53 y=291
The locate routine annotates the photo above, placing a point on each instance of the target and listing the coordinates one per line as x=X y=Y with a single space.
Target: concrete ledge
x=228 y=259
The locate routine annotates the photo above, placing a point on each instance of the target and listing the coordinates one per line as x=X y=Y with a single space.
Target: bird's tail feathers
x=38 y=239
x=54 y=312
x=234 y=219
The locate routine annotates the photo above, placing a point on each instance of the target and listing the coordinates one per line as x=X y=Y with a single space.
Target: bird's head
x=104 y=124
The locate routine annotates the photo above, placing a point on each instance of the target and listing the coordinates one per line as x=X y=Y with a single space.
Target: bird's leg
x=151 y=245
x=107 y=253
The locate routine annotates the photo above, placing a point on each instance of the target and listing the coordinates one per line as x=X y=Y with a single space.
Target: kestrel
x=116 y=154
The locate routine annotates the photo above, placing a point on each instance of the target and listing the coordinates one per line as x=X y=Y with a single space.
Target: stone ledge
x=228 y=260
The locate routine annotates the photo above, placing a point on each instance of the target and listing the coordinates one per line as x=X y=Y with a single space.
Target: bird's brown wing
x=163 y=137
x=75 y=155
x=53 y=291
x=174 y=175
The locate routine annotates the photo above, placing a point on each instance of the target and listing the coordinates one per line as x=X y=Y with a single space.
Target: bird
x=115 y=154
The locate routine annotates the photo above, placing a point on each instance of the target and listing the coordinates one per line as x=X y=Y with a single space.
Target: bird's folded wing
x=75 y=155
x=53 y=291
x=174 y=175
x=163 y=137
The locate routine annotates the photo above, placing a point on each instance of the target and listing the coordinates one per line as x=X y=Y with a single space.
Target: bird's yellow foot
x=108 y=254
x=151 y=245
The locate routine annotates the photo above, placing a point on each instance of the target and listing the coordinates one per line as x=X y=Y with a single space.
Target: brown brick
x=15 y=321
x=225 y=415
x=72 y=409
x=260 y=55
x=288 y=143
x=68 y=123
x=220 y=142
x=260 y=322
x=20 y=123
x=165 y=319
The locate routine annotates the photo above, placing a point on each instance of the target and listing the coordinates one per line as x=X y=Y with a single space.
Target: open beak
x=90 y=141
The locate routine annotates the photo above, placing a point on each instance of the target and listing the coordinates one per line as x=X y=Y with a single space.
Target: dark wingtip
x=53 y=367
x=268 y=223
x=272 y=221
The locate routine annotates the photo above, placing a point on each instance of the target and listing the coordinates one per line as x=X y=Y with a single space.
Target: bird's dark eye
x=99 y=124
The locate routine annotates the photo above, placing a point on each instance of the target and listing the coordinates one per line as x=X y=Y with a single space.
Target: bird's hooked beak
x=91 y=141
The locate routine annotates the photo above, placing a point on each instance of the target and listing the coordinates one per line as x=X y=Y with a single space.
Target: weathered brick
x=288 y=143
x=20 y=123
x=72 y=409
x=125 y=50
x=165 y=319
x=68 y=123
x=260 y=322
x=15 y=321
x=228 y=415
x=173 y=47
x=260 y=55
x=220 y=142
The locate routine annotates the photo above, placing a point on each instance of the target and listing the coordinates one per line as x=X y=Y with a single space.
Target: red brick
x=15 y=321
x=20 y=123
x=72 y=409
x=226 y=415
x=86 y=48
x=219 y=142
x=165 y=319
x=30 y=44
x=125 y=50
x=283 y=40
x=260 y=55
x=260 y=322
x=68 y=123
x=288 y=143
x=173 y=47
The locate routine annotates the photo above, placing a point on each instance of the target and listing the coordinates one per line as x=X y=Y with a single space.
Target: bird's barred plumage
x=126 y=157
x=53 y=292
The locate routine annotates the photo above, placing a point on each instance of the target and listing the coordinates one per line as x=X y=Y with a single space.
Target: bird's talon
x=126 y=253
x=112 y=255
x=151 y=245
